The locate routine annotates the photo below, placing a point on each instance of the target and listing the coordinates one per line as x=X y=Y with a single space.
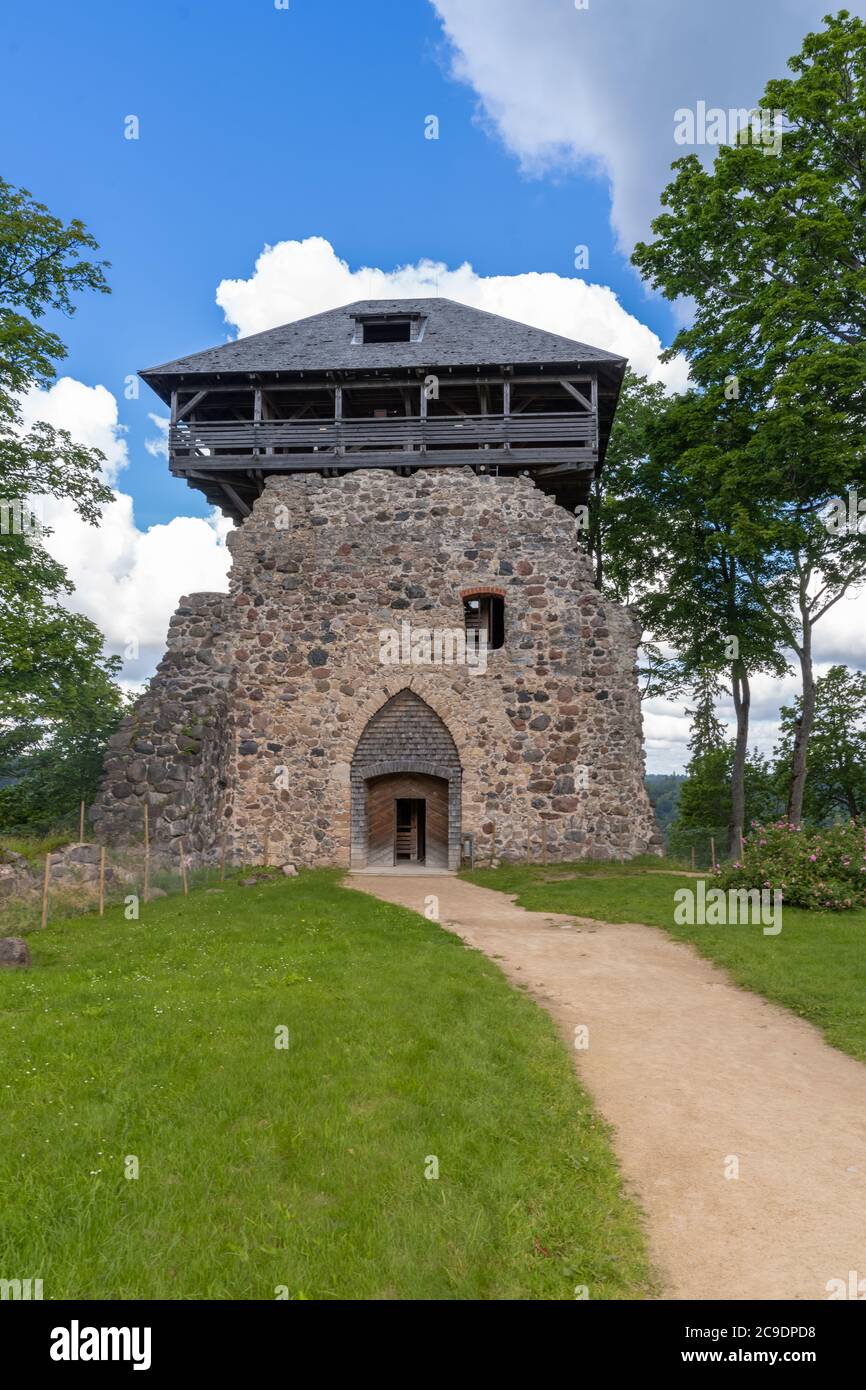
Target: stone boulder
x=14 y=953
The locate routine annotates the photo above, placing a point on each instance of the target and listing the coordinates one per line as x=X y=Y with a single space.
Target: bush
x=821 y=868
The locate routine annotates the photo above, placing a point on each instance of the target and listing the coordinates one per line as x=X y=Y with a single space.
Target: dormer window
x=389 y=328
x=387 y=331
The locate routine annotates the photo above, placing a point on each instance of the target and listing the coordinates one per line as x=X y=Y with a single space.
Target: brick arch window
x=484 y=610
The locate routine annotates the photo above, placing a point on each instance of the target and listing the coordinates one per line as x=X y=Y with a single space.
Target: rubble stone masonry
x=251 y=726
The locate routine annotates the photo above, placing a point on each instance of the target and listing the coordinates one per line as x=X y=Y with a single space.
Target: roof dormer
x=389 y=328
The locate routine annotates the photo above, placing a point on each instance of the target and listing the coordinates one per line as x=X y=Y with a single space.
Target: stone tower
x=412 y=657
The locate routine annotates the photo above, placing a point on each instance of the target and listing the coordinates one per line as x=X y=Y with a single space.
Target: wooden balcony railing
x=187 y=439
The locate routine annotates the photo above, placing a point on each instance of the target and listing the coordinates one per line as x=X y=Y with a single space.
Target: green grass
x=304 y=1168
x=816 y=966
x=35 y=847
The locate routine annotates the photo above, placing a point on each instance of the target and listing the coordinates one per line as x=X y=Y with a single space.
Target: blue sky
x=258 y=124
x=282 y=152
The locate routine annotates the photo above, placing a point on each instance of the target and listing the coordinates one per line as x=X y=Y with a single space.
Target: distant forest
x=664 y=793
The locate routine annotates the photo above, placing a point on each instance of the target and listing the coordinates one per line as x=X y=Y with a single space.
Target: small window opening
x=387 y=331
x=486 y=613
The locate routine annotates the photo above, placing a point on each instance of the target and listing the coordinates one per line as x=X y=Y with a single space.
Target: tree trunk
x=742 y=705
x=803 y=728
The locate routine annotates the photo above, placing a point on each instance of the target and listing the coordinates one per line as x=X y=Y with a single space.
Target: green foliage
x=41 y=268
x=622 y=538
x=822 y=869
x=705 y=798
x=46 y=782
x=664 y=792
x=771 y=251
x=58 y=696
x=836 y=781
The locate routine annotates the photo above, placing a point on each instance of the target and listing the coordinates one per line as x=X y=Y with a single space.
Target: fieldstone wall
x=173 y=749
x=252 y=724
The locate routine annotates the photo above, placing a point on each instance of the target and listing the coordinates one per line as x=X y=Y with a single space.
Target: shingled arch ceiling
x=405 y=736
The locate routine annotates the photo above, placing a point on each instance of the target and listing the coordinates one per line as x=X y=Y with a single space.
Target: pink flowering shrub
x=823 y=869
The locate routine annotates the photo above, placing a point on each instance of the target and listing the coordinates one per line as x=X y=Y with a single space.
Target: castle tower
x=412 y=651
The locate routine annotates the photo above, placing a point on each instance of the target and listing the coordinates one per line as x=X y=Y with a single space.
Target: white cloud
x=158 y=444
x=126 y=580
x=597 y=88
x=89 y=413
x=296 y=278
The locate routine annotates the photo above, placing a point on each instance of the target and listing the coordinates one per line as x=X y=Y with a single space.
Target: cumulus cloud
x=128 y=581
x=296 y=278
x=89 y=413
x=157 y=444
x=598 y=88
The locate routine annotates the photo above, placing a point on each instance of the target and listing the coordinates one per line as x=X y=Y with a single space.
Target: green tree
x=705 y=796
x=666 y=525
x=53 y=675
x=772 y=254
x=42 y=783
x=836 y=784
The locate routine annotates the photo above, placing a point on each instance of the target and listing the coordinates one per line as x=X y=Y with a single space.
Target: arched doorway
x=406 y=778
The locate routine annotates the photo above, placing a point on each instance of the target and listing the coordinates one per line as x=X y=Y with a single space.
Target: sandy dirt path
x=691 y=1071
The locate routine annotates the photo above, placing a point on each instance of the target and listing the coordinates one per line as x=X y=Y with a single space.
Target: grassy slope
x=816 y=966
x=305 y=1168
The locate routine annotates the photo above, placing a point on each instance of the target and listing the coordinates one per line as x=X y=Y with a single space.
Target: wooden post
x=544 y=842
x=222 y=858
x=713 y=851
x=694 y=859
x=81 y=825
x=102 y=881
x=45 y=891
x=183 y=871
x=146 y=888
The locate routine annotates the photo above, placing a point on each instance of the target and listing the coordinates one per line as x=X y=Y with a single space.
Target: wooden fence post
x=81 y=825
x=694 y=859
x=146 y=888
x=102 y=881
x=183 y=871
x=45 y=891
x=713 y=852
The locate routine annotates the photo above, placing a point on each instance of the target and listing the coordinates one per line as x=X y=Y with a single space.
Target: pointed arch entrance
x=406 y=780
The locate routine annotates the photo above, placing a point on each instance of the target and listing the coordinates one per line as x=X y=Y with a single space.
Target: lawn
x=297 y=1171
x=816 y=966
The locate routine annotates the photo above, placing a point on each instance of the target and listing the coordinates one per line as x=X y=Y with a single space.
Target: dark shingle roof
x=455 y=335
